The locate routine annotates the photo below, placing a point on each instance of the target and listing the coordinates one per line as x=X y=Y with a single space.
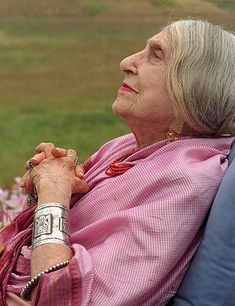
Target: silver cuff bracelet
x=51 y=224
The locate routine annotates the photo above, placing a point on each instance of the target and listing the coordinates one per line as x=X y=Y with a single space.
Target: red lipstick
x=128 y=88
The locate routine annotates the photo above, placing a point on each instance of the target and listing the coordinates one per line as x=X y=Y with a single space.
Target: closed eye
x=155 y=50
x=154 y=55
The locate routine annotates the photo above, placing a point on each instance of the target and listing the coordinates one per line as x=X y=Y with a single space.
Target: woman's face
x=143 y=99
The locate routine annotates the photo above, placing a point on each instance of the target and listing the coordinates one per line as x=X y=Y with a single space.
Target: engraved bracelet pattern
x=51 y=224
x=27 y=290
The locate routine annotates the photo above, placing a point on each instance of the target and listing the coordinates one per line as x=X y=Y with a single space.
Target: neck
x=147 y=138
x=148 y=132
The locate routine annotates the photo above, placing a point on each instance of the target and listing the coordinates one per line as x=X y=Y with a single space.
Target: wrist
x=50 y=192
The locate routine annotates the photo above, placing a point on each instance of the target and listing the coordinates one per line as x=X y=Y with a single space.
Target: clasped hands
x=54 y=173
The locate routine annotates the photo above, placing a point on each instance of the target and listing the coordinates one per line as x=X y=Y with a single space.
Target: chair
x=210 y=279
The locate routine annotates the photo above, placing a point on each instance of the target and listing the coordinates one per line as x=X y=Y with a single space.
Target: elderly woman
x=137 y=212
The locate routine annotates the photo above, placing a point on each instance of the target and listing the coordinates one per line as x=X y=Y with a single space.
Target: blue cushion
x=210 y=279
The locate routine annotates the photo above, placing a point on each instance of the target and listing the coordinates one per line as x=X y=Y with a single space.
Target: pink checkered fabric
x=134 y=234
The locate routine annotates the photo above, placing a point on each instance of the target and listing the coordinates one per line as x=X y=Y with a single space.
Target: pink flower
x=11 y=202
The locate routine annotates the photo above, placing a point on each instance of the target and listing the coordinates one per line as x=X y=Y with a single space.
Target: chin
x=121 y=107
x=116 y=107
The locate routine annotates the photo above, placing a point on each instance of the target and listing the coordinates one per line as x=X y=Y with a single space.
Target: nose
x=129 y=64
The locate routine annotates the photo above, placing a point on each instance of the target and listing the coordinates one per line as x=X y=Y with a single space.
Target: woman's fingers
x=80 y=187
x=23 y=180
x=26 y=182
x=45 y=147
x=48 y=151
x=37 y=158
x=72 y=154
x=62 y=165
x=79 y=171
x=58 y=152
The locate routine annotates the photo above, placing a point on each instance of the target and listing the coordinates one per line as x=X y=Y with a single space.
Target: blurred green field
x=59 y=71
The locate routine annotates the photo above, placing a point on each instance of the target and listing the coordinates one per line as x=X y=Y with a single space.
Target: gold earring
x=172 y=135
x=175 y=129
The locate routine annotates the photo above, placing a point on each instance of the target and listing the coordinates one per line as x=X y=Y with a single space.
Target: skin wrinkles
x=149 y=112
x=159 y=48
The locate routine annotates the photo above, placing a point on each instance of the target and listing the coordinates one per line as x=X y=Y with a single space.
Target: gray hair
x=201 y=76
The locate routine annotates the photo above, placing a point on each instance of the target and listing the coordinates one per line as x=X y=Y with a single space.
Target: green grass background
x=59 y=68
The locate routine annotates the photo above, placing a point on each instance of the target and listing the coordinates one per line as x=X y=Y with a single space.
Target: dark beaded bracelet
x=27 y=290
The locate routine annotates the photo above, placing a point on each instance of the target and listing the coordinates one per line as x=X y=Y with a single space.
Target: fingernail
x=81 y=175
x=22 y=184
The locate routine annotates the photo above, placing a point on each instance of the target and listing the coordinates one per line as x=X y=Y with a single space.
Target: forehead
x=162 y=41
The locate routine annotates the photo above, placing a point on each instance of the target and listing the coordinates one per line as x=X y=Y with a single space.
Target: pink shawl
x=134 y=234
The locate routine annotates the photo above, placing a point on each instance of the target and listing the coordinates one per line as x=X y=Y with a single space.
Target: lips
x=128 y=88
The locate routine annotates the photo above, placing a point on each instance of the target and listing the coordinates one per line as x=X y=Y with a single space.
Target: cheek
x=156 y=91
x=154 y=94
x=153 y=82
x=157 y=102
